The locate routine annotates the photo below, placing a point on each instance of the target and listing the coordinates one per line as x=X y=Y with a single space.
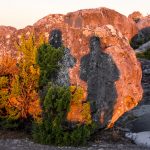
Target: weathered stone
x=111 y=61
x=116 y=48
x=88 y=18
x=143 y=22
x=137 y=119
x=136 y=16
x=143 y=36
x=6 y=31
x=140 y=138
x=143 y=48
x=140 y=124
x=145 y=81
x=68 y=61
x=91 y=18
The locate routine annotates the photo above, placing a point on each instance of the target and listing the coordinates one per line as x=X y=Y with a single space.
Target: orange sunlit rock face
x=144 y=22
x=128 y=86
x=141 y=21
x=114 y=30
x=136 y=16
x=91 y=18
x=129 y=93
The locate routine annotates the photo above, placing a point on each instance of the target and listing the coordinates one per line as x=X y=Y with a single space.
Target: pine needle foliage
x=48 y=58
x=54 y=128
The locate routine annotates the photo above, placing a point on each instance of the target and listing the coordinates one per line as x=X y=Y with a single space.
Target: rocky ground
x=113 y=139
x=136 y=121
x=104 y=140
x=146 y=81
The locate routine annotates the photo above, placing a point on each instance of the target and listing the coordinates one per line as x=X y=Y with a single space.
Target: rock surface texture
x=101 y=59
x=141 y=21
x=137 y=120
x=143 y=48
x=143 y=34
x=144 y=22
x=146 y=81
x=136 y=16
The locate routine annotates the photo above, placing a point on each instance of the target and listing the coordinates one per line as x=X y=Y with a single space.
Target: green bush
x=48 y=58
x=54 y=128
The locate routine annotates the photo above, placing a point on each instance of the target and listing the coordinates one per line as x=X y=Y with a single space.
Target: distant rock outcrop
x=105 y=65
x=140 y=41
x=136 y=16
x=144 y=22
x=141 y=21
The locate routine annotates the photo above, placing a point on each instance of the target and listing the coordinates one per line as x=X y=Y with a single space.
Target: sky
x=20 y=13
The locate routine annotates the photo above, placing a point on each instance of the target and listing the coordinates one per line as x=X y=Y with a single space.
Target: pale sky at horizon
x=20 y=13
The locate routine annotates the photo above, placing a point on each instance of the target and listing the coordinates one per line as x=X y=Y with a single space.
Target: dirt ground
x=112 y=139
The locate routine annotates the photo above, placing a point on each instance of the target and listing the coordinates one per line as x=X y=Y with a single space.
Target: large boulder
x=103 y=64
x=143 y=48
x=88 y=18
x=106 y=68
x=140 y=112
x=142 y=37
x=98 y=59
x=91 y=18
